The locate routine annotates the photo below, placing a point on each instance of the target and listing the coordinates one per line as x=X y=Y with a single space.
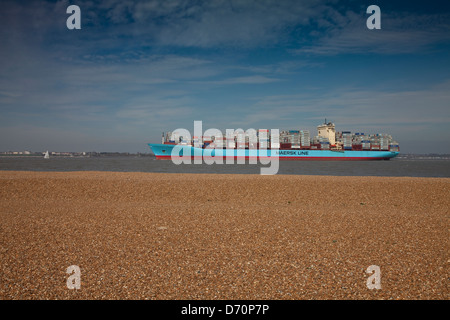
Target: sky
x=138 y=68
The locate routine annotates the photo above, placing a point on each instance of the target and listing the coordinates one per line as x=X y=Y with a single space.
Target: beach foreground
x=201 y=236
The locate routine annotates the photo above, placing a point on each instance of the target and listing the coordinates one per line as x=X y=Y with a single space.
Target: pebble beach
x=222 y=236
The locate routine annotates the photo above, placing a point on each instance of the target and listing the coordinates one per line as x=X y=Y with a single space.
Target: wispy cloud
x=253 y=79
x=216 y=22
x=400 y=33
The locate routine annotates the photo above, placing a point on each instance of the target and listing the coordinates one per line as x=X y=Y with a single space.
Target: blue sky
x=137 y=68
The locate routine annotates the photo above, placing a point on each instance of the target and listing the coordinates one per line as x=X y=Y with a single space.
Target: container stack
x=393 y=146
x=324 y=143
x=231 y=142
x=287 y=139
x=357 y=141
x=219 y=142
x=251 y=140
x=374 y=142
x=347 y=140
x=275 y=142
x=339 y=141
x=252 y=145
x=240 y=140
x=316 y=143
x=385 y=141
x=284 y=137
x=365 y=143
x=305 y=140
x=294 y=138
x=197 y=142
x=316 y=140
x=263 y=135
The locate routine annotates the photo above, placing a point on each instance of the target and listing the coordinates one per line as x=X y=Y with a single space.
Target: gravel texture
x=202 y=236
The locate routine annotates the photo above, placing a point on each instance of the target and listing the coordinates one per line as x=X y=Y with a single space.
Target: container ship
x=289 y=145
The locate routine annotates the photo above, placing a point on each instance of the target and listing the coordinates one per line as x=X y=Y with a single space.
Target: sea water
x=394 y=167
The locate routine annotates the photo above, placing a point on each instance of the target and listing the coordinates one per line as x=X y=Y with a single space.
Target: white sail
x=46 y=155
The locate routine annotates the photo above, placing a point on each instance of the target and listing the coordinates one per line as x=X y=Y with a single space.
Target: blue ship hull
x=164 y=151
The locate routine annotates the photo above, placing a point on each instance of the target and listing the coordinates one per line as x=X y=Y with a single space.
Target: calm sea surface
x=395 y=167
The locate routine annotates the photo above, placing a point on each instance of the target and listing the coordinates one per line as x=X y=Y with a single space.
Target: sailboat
x=46 y=155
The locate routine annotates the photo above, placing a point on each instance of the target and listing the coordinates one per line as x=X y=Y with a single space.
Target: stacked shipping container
x=288 y=139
